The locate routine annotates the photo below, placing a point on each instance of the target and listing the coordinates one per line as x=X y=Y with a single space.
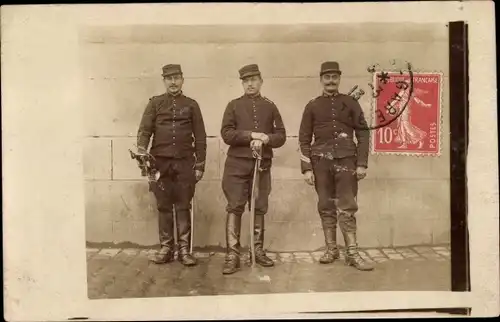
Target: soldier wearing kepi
x=250 y=121
x=334 y=163
x=179 y=147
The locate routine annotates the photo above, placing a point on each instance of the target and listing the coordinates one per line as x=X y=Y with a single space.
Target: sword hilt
x=352 y=90
x=357 y=95
x=257 y=153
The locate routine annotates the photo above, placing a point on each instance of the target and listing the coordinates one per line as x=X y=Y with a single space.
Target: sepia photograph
x=229 y=159
x=202 y=161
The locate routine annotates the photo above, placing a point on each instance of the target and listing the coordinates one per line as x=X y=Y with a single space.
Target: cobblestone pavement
x=124 y=273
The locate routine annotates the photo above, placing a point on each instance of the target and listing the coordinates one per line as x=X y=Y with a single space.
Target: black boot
x=260 y=254
x=352 y=257
x=163 y=256
x=184 y=237
x=165 y=227
x=332 y=252
x=233 y=229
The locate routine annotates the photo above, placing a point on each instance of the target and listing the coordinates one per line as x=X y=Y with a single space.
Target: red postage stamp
x=417 y=128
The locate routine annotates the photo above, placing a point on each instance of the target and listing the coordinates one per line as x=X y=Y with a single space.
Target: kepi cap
x=249 y=70
x=171 y=69
x=330 y=67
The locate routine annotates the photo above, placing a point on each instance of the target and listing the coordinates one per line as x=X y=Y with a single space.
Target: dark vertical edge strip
x=466 y=129
x=458 y=66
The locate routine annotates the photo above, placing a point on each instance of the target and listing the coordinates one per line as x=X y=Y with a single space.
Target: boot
x=184 y=237
x=352 y=257
x=165 y=227
x=260 y=254
x=233 y=229
x=332 y=252
x=163 y=256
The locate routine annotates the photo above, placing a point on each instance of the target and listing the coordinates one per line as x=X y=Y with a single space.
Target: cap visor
x=330 y=71
x=171 y=74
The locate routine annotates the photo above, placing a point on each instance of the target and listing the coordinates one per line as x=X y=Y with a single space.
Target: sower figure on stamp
x=179 y=148
x=250 y=123
x=334 y=163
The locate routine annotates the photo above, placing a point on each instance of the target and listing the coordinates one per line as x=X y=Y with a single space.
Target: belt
x=327 y=155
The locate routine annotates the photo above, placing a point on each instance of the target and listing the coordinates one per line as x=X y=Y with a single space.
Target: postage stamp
x=417 y=128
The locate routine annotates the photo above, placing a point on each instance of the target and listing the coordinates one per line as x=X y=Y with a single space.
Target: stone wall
x=403 y=201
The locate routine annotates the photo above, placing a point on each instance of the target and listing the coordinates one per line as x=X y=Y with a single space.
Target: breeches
x=336 y=185
x=178 y=181
x=237 y=184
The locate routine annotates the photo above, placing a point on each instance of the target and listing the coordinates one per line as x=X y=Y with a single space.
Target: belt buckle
x=328 y=155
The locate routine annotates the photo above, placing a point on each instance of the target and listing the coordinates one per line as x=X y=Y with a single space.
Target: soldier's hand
x=198 y=174
x=256 y=135
x=309 y=177
x=264 y=138
x=260 y=136
x=360 y=173
x=256 y=144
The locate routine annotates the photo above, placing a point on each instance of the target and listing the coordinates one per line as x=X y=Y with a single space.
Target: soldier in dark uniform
x=179 y=147
x=334 y=163
x=249 y=121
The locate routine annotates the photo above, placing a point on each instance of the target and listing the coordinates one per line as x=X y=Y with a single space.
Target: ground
x=127 y=273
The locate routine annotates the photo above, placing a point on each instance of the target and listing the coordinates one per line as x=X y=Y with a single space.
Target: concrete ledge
x=412 y=252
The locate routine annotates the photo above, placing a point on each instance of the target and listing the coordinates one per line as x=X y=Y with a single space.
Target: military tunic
x=177 y=127
x=333 y=121
x=243 y=116
x=179 y=147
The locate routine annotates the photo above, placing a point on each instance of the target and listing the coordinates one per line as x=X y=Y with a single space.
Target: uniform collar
x=325 y=94
x=179 y=94
x=258 y=95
